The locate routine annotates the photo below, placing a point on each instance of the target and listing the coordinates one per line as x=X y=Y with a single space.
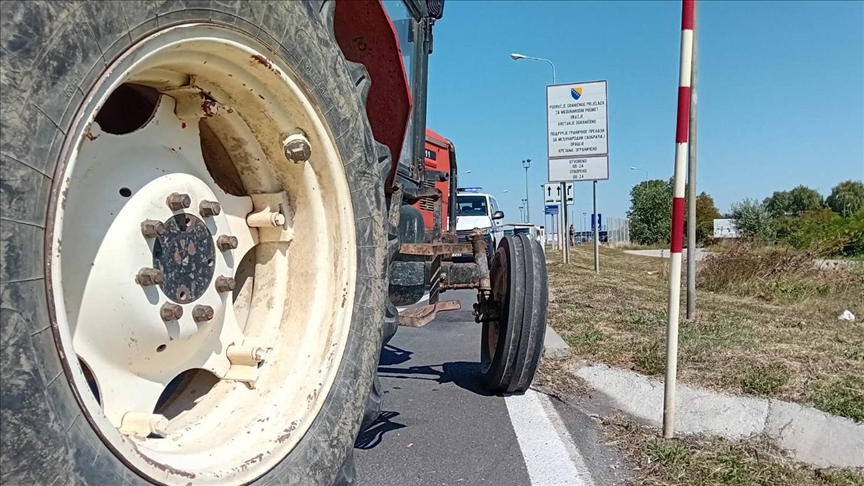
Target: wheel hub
x=185 y=254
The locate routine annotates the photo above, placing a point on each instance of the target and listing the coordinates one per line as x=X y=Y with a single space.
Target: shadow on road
x=391 y=356
x=463 y=374
x=372 y=436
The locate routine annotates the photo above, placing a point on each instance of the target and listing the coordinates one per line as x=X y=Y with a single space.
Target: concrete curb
x=812 y=436
x=554 y=346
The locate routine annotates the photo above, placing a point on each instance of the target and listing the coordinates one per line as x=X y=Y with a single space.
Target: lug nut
x=297 y=148
x=171 y=312
x=149 y=276
x=151 y=228
x=177 y=201
x=202 y=313
x=225 y=242
x=209 y=208
x=225 y=284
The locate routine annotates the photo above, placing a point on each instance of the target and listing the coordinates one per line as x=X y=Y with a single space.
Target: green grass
x=765 y=380
x=701 y=338
x=650 y=359
x=586 y=340
x=844 y=397
x=711 y=461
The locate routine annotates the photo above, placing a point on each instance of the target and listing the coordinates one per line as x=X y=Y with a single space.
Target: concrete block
x=697 y=411
x=709 y=412
x=554 y=346
x=812 y=436
x=630 y=392
x=816 y=437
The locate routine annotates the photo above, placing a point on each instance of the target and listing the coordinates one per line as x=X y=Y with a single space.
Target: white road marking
x=565 y=437
x=549 y=460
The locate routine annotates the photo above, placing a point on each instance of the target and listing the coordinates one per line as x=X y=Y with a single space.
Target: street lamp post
x=562 y=218
x=643 y=170
x=526 y=164
x=516 y=56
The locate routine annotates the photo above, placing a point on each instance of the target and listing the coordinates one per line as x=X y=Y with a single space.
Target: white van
x=478 y=210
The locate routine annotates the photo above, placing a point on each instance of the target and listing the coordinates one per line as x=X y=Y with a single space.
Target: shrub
x=823 y=232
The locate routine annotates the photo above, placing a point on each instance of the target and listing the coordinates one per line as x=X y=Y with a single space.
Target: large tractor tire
x=194 y=244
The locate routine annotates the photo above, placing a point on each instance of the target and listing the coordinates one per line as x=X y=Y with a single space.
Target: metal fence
x=618 y=230
x=614 y=232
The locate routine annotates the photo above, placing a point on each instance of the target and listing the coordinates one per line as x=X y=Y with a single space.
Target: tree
x=847 y=198
x=792 y=203
x=706 y=213
x=650 y=212
x=752 y=219
x=778 y=204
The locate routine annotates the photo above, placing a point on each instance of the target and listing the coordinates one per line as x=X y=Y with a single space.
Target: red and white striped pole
x=677 y=238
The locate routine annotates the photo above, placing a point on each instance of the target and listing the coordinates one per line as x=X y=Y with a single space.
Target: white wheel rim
x=301 y=317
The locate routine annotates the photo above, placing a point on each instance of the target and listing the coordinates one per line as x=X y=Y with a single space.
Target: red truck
x=440 y=166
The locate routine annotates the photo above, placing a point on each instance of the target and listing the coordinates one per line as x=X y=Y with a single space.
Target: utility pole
x=691 y=177
x=526 y=164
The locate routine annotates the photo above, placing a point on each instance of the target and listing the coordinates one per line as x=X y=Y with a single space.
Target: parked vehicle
x=478 y=210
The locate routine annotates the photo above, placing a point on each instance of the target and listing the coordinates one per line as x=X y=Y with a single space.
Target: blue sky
x=781 y=93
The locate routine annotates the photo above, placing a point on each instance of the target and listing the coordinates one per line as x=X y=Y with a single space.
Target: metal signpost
x=577 y=139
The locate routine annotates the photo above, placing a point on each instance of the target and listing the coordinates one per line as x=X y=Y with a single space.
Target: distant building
x=725 y=228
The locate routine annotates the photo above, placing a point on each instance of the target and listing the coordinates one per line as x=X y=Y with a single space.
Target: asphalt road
x=439 y=427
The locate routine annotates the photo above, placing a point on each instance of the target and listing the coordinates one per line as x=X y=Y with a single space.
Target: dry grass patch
x=778 y=274
x=777 y=343
x=712 y=461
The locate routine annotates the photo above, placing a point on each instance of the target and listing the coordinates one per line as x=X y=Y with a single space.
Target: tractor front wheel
x=512 y=344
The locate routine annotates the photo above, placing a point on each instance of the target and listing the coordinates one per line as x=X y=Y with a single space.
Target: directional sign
x=552 y=193
x=552 y=209
x=579 y=169
x=576 y=119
